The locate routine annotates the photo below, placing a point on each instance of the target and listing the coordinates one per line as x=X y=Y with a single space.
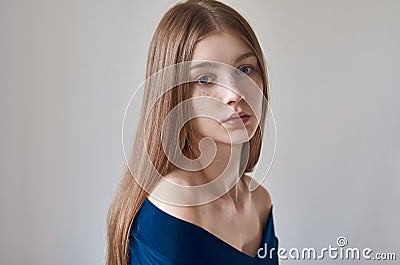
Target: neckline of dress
x=211 y=235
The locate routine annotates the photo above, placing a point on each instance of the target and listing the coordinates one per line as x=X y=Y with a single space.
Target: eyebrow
x=244 y=56
x=201 y=65
x=212 y=64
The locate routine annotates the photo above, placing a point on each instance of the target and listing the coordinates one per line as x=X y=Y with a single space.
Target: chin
x=240 y=136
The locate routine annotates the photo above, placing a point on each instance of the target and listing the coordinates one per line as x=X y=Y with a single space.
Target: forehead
x=224 y=47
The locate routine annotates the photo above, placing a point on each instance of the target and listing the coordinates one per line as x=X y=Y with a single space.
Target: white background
x=68 y=69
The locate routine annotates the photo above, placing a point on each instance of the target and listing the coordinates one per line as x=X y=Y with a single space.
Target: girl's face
x=225 y=72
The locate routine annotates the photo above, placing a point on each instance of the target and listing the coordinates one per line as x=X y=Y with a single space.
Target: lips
x=238 y=115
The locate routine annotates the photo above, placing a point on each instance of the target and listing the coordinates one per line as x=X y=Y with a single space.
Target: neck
x=224 y=166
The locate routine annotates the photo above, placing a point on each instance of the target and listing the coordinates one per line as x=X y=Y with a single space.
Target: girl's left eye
x=245 y=70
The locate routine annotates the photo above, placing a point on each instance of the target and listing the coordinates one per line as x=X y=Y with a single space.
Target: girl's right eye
x=204 y=80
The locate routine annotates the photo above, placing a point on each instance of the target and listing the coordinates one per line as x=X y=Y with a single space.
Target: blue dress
x=157 y=237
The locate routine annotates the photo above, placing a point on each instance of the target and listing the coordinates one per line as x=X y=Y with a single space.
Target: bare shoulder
x=182 y=177
x=260 y=196
x=187 y=213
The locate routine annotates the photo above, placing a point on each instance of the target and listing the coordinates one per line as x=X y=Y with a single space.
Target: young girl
x=187 y=199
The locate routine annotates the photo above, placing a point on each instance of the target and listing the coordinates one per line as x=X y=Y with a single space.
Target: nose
x=231 y=96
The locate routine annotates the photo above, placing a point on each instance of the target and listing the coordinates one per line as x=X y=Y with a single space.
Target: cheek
x=200 y=107
x=203 y=122
x=205 y=104
x=201 y=92
x=255 y=96
x=206 y=127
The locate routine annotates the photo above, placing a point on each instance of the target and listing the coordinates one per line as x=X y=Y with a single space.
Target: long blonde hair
x=172 y=43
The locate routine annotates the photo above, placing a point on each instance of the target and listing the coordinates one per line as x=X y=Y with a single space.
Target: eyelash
x=238 y=71
x=250 y=67
x=198 y=80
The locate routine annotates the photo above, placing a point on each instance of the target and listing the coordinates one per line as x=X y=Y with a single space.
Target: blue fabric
x=159 y=238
